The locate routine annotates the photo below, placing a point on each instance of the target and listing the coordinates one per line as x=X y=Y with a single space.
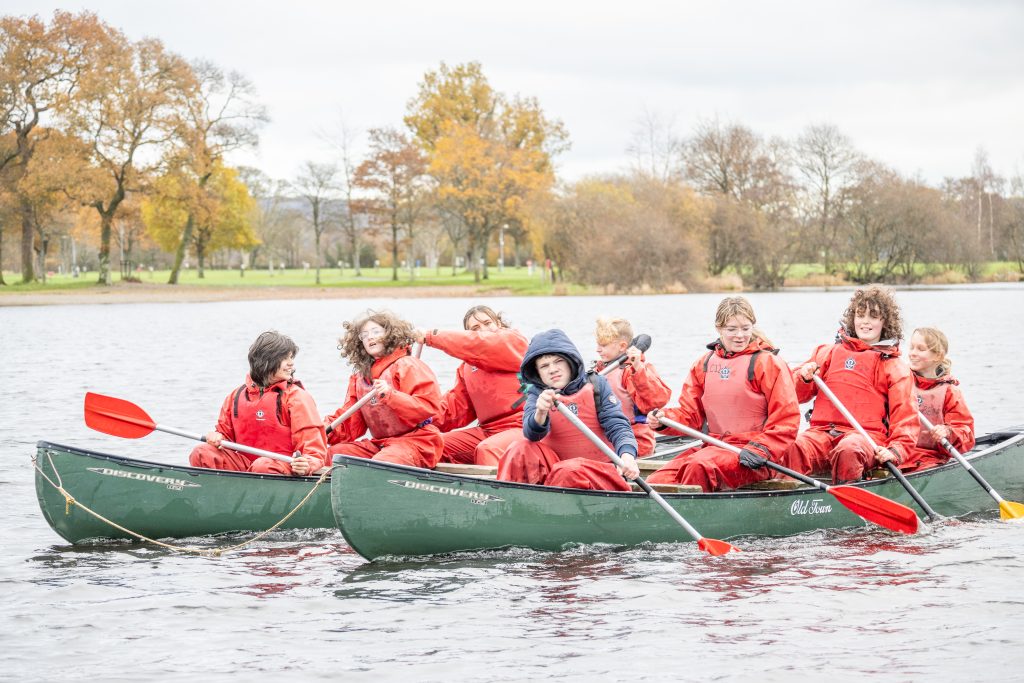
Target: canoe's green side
x=392 y=510
x=164 y=501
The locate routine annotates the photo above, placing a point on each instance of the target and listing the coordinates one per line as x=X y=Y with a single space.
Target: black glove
x=751 y=459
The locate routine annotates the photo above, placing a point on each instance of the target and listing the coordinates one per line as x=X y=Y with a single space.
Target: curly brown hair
x=398 y=334
x=878 y=301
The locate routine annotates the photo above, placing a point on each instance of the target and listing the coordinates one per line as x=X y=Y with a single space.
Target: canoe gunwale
x=151 y=464
x=993 y=443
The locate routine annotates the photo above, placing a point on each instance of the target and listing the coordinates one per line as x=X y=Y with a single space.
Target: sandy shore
x=154 y=293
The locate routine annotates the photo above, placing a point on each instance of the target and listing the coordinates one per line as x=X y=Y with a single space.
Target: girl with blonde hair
x=939 y=399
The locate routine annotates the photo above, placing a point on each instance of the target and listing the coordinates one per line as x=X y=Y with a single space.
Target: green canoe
x=390 y=510
x=158 y=500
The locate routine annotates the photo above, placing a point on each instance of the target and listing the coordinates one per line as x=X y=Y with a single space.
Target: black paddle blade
x=641 y=341
x=876 y=509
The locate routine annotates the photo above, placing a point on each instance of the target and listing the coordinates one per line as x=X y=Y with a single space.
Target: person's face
x=285 y=371
x=868 y=327
x=372 y=336
x=922 y=359
x=554 y=371
x=481 y=323
x=736 y=333
x=611 y=350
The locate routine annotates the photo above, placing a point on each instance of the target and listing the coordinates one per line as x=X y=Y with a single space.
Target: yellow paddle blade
x=1009 y=510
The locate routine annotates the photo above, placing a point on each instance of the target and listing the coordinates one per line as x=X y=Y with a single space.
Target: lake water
x=942 y=605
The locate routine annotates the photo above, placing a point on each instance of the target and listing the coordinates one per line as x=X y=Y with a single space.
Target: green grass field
x=514 y=280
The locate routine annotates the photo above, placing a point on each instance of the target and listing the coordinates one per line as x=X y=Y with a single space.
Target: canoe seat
x=648 y=466
x=671 y=488
x=773 y=485
x=483 y=471
x=880 y=474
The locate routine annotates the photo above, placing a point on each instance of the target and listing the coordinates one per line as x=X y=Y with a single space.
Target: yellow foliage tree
x=488 y=155
x=220 y=213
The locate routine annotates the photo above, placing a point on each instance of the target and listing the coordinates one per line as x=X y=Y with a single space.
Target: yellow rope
x=69 y=500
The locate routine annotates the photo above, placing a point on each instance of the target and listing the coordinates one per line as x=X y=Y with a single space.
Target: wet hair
x=266 y=355
x=878 y=301
x=936 y=342
x=487 y=312
x=398 y=334
x=732 y=306
x=613 y=329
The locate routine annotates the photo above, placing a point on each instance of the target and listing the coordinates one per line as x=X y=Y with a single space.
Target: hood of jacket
x=889 y=348
x=553 y=342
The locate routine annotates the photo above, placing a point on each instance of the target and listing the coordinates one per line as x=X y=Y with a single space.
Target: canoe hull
x=390 y=510
x=166 y=501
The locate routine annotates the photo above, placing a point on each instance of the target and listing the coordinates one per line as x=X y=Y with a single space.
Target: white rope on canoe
x=70 y=500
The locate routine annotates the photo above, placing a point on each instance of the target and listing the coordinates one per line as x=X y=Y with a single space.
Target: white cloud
x=917 y=85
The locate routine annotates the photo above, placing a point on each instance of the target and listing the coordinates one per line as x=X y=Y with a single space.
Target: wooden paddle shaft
x=613 y=456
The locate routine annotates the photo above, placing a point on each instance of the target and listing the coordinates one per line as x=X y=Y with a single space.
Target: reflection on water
x=941 y=605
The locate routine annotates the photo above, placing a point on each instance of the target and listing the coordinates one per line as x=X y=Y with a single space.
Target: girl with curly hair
x=863 y=370
x=406 y=396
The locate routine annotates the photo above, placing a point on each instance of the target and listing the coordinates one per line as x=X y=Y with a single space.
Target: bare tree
x=318 y=185
x=825 y=158
x=655 y=147
x=342 y=141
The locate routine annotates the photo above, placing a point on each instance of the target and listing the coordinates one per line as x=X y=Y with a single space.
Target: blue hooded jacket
x=609 y=410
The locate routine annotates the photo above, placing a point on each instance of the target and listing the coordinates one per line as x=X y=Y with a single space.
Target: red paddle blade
x=715 y=547
x=874 y=508
x=116 y=416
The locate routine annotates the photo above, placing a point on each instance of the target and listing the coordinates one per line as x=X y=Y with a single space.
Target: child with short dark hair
x=271 y=411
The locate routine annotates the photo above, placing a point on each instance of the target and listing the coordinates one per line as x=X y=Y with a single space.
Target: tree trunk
x=318 y=257
x=106 y=221
x=200 y=258
x=354 y=242
x=2 y=282
x=394 y=252
x=28 y=238
x=179 y=255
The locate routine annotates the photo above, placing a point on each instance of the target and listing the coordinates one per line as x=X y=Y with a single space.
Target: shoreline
x=169 y=294
x=162 y=293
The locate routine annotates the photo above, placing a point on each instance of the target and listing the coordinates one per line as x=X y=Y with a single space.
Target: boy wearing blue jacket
x=552 y=451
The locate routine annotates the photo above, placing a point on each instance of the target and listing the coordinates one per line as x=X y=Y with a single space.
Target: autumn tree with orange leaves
x=488 y=155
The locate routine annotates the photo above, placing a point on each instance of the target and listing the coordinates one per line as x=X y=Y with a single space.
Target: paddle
x=1007 y=509
x=350 y=412
x=870 y=506
x=709 y=545
x=125 y=419
x=891 y=467
x=641 y=341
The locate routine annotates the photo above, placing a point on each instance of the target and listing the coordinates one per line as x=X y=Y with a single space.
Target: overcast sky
x=919 y=86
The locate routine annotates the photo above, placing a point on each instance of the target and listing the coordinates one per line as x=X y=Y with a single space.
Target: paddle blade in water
x=116 y=416
x=874 y=508
x=715 y=547
x=1010 y=510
